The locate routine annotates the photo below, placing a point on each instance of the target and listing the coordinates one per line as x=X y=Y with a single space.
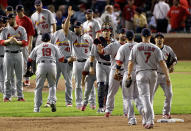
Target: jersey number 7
x=147 y=54
x=46 y=51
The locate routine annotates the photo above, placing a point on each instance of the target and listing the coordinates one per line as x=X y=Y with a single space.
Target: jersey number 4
x=46 y=51
x=148 y=55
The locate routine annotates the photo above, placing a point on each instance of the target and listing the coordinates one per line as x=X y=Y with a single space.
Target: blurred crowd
x=158 y=15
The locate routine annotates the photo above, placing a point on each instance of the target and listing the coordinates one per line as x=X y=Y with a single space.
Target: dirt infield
x=114 y=123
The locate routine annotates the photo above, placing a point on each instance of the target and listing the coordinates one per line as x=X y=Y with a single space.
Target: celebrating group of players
x=92 y=52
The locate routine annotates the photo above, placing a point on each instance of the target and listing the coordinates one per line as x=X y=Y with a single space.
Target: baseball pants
x=102 y=76
x=113 y=88
x=1 y=75
x=13 y=62
x=129 y=95
x=167 y=92
x=90 y=92
x=146 y=81
x=66 y=70
x=77 y=72
x=45 y=70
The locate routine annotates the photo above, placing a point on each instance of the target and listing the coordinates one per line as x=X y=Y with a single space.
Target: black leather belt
x=46 y=61
x=18 y=51
x=107 y=64
x=1 y=55
x=44 y=33
x=81 y=60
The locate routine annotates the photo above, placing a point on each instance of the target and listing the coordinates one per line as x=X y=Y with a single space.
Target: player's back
x=46 y=51
x=146 y=56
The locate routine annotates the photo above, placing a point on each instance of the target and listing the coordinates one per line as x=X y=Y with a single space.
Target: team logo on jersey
x=62 y=43
x=81 y=44
x=42 y=21
x=17 y=36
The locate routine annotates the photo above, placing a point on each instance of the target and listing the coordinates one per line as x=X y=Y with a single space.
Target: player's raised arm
x=67 y=22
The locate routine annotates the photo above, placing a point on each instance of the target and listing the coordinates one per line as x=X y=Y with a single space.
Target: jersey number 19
x=46 y=51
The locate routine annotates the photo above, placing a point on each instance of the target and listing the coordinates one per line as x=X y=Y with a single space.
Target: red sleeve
x=61 y=59
x=24 y=43
x=30 y=60
x=2 y=42
x=85 y=73
x=168 y=14
x=31 y=28
x=119 y=62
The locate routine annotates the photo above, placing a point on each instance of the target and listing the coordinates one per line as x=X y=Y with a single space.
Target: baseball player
x=88 y=82
x=59 y=39
x=42 y=20
x=167 y=52
x=131 y=93
x=103 y=65
x=46 y=55
x=81 y=44
x=24 y=21
x=10 y=10
x=111 y=50
x=146 y=57
x=2 y=27
x=13 y=37
x=91 y=26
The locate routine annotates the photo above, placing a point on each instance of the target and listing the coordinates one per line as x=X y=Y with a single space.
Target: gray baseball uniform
x=129 y=94
x=111 y=50
x=146 y=58
x=80 y=50
x=90 y=92
x=166 y=50
x=46 y=55
x=65 y=48
x=42 y=22
x=102 y=74
x=13 y=59
x=1 y=69
x=91 y=27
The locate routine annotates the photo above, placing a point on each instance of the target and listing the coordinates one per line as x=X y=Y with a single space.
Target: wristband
x=91 y=64
x=118 y=67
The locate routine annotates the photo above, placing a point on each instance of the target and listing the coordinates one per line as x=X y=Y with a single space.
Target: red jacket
x=177 y=16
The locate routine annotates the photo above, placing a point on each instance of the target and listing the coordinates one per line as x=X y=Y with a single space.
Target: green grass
x=181 y=100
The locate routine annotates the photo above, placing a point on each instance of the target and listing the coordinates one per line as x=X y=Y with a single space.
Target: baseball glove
x=128 y=82
x=28 y=73
x=118 y=76
x=170 y=61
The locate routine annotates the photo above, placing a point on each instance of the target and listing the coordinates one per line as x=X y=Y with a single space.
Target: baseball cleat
x=167 y=116
x=83 y=108
x=107 y=114
x=21 y=99
x=7 y=100
x=132 y=121
x=101 y=110
x=125 y=115
x=53 y=107
x=36 y=110
x=149 y=126
x=26 y=83
x=47 y=105
x=93 y=107
x=79 y=107
x=69 y=105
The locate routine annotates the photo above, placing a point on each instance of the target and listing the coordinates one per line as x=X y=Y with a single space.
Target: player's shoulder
x=46 y=11
x=87 y=36
x=21 y=28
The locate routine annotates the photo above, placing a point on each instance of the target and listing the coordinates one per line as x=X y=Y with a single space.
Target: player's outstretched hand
x=168 y=82
x=171 y=69
x=91 y=71
x=70 y=11
x=128 y=82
